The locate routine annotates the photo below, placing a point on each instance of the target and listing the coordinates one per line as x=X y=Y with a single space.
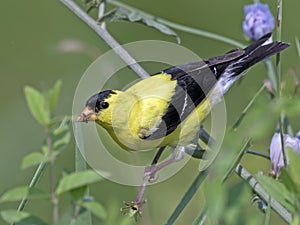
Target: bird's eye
x=104 y=105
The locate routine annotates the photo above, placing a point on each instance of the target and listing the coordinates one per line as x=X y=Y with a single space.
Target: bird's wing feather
x=193 y=82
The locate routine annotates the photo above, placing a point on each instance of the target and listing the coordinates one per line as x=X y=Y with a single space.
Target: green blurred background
x=33 y=36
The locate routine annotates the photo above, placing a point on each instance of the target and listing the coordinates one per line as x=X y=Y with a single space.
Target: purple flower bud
x=293 y=142
x=258 y=21
x=276 y=149
x=276 y=153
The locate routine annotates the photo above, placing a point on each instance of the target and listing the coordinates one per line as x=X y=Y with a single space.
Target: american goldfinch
x=167 y=108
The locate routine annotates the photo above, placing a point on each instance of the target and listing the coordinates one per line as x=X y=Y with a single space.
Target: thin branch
x=275 y=205
x=241 y=117
x=181 y=27
x=105 y=35
x=258 y=153
x=37 y=175
x=271 y=74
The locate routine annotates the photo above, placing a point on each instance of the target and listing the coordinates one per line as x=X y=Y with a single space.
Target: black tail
x=259 y=51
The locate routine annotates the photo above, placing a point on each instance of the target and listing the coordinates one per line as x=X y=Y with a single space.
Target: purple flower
x=258 y=21
x=276 y=150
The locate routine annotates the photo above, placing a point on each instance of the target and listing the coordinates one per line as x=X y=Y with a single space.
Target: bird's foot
x=133 y=209
x=150 y=171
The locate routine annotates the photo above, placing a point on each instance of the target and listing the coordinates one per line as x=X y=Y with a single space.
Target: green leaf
x=78 y=194
x=294 y=167
x=115 y=15
x=77 y=179
x=122 y=14
x=31 y=220
x=161 y=27
x=288 y=181
x=13 y=216
x=96 y=209
x=277 y=190
x=33 y=159
x=20 y=218
x=37 y=105
x=216 y=195
x=61 y=137
x=81 y=217
x=134 y=16
x=15 y=194
x=20 y=193
x=53 y=95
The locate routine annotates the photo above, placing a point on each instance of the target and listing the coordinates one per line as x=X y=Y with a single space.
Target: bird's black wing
x=194 y=81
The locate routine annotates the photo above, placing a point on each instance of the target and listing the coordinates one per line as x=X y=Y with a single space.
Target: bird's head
x=98 y=108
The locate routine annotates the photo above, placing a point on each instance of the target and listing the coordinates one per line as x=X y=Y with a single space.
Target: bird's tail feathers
x=263 y=52
x=263 y=40
x=259 y=51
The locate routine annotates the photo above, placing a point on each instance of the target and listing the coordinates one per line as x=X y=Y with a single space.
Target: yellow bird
x=167 y=108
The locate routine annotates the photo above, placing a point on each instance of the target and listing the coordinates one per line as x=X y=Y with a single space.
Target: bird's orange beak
x=87 y=115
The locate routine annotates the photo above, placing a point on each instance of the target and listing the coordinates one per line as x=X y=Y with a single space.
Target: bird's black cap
x=96 y=101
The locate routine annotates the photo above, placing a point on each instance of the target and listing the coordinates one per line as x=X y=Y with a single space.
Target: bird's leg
x=150 y=171
x=145 y=177
x=135 y=207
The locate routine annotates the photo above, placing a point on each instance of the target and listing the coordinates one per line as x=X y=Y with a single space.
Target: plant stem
x=278 y=38
x=271 y=74
x=202 y=33
x=38 y=173
x=179 y=26
x=258 y=153
x=105 y=35
x=54 y=198
x=268 y=212
x=278 y=67
x=275 y=205
x=239 y=120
